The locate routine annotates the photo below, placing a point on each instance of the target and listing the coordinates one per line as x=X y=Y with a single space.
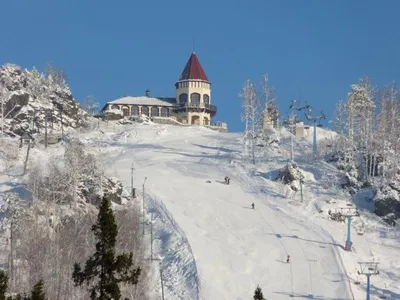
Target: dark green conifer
x=3 y=284
x=37 y=292
x=258 y=295
x=104 y=270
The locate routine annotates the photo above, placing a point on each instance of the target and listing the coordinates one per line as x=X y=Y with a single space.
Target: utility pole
x=151 y=236
x=315 y=138
x=301 y=186
x=132 y=191
x=368 y=269
x=291 y=149
x=11 y=254
x=162 y=281
x=143 y=202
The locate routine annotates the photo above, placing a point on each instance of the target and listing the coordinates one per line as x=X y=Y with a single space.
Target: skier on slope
x=227 y=179
x=288 y=258
x=252 y=205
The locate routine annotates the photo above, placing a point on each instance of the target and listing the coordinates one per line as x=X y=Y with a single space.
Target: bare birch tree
x=251 y=117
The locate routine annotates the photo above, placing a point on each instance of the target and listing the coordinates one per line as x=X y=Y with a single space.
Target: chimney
x=147 y=93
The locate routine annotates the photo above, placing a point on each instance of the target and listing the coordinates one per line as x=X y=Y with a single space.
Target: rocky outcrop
x=290 y=175
x=30 y=96
x=349 y=183
x=387 y=202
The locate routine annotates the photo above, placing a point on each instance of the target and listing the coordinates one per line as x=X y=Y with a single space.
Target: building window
x=195 y=99
x=125 y=111
x=115 y=106
x=145 y=110
x=206 y=99
x=183 y=98
x=135 y=110
x=154 y=111
x=164 y=112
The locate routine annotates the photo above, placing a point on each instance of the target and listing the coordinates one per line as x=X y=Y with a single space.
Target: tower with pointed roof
x=193 y=94
x=191 y=104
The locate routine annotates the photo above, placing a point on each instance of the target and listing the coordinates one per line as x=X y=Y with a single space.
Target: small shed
x=26 y=139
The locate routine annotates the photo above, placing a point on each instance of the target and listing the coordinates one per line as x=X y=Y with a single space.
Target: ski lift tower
x=291 y=123
x=368 y=269
x=349 y=212
x=316 y=118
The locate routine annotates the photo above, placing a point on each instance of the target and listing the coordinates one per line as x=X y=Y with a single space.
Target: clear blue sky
x=115 y=48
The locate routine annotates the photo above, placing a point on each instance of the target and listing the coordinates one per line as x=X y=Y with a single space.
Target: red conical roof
x=193 y=70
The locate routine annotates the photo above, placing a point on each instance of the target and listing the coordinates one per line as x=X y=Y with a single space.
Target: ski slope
x=213 y=245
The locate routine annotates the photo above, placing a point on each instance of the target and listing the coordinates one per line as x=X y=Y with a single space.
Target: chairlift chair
x=329 y=145
x=319 y=125
x=306 y=127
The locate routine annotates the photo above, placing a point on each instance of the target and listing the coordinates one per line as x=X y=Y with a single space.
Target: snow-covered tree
x=270 y=112
x=56 y=75
x=251 y=117
x=89 y=105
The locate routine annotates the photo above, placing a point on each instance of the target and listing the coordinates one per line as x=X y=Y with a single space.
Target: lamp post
x=144 y=181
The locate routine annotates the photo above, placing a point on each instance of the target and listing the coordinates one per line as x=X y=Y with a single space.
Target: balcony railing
x=219 y=124
x=195 y=105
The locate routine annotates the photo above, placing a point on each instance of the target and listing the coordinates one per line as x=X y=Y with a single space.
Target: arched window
x=206 y=99
x=154 y=111
x=164 y=112
x=135 y=110
x=183 y=98
x=115 y=106
x=195 y=99
x=145 y=110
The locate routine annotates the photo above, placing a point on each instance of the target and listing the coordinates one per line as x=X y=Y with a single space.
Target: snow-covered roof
x=141 y=101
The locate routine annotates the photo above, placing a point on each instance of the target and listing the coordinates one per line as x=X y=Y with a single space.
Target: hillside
x=212 y=245
x=216 y=247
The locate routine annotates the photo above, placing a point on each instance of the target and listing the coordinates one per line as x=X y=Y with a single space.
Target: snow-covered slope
x=214 y=246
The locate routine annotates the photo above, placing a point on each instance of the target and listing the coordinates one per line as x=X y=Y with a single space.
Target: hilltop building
x=190 y=106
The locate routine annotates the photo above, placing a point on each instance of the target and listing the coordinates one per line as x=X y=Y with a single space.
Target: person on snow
x=288 y=258
x=227 y=179
x=252 y=205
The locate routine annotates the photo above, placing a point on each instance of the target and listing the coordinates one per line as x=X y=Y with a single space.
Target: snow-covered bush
x=113 y=114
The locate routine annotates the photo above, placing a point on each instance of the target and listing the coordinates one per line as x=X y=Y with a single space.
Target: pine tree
x=104 y=268
x=37 y=292
x=3 y=284
x=258 y=295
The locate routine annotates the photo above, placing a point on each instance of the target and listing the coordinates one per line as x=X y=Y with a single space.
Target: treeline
x=368 y=123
